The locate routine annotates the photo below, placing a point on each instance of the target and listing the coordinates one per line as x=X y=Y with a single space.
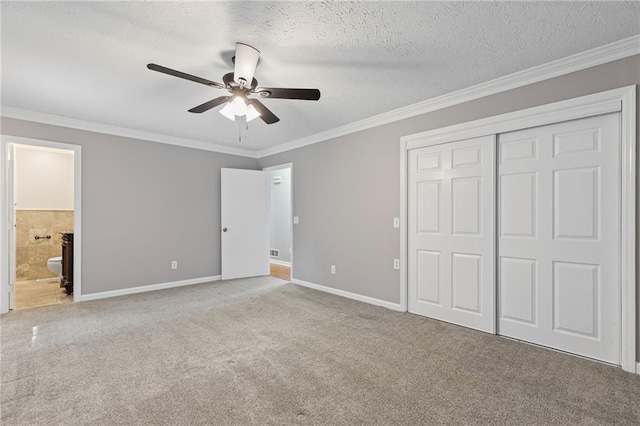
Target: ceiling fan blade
x=265 y=114
x=210 y=104
x=186 y=76
x=282 y=93
x=246 y=60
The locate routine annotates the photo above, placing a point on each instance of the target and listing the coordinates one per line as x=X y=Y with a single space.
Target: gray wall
x=346 y=189
x=280 y=213
x=144 y=204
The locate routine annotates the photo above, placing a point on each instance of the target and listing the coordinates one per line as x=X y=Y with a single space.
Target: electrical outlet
x=296 y=220
x=396 y=222
x=396 y=263
x=333 y=269
x=174 y=264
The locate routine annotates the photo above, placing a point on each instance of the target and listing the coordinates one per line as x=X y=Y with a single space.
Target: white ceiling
x=87 y=60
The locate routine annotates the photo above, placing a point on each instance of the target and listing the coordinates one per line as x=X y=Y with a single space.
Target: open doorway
x=280 y=220
x=43 y=203
x=40 y=218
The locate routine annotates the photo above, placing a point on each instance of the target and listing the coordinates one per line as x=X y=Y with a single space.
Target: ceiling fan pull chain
x=242 y=123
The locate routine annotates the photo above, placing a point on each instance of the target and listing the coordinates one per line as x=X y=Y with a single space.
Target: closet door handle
x=224 y=229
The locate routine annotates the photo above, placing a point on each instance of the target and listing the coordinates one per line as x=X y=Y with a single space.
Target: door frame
x=622 y=100
x=271 y=169
x=5 y=279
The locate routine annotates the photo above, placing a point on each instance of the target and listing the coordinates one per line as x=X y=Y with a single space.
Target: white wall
x=280 y=213
x=44 y=179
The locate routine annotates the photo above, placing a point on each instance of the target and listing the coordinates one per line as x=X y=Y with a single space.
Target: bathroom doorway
x=42 y=209
x=280 y=184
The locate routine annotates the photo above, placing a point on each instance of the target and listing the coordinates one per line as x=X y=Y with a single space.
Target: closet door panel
x=558 y=249
x=451 y=232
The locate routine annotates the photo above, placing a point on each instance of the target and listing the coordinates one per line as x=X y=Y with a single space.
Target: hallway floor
x=282 y=272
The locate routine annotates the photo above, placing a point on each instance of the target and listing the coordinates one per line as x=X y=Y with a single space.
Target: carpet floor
x=263 y=351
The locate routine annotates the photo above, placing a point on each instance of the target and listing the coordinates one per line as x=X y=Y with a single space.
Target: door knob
x=224 y=229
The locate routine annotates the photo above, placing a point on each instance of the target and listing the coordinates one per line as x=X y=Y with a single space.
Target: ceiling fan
x=240 y=83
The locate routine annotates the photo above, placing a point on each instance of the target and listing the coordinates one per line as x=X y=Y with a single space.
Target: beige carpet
x=261 y=351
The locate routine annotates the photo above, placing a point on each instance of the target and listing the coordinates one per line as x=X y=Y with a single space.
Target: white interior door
x=559 y=236
x=451 y=232
x=245 y=225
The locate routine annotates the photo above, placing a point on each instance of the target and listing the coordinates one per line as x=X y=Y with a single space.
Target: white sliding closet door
x=558 y=236
x=451 y=232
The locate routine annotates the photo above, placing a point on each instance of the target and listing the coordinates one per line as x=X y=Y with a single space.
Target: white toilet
x=55 y=265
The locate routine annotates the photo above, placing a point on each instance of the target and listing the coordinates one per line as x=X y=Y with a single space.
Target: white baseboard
x=145 y=288
x=349 y=295
x=280 y=262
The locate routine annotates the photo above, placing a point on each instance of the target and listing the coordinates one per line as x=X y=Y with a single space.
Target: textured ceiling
x=87 y=60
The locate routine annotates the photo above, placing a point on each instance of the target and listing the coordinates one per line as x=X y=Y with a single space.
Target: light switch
x=396 y=222
x=296 y=220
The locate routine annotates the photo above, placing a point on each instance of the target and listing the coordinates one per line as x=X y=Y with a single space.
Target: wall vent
x=274 y=253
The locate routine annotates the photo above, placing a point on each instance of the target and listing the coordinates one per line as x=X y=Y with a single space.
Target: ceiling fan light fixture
x=228 y=112
x=238 y=107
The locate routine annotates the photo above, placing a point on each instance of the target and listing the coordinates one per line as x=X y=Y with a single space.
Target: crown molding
x=587 y=59
x=583 y=60
x=91 y=126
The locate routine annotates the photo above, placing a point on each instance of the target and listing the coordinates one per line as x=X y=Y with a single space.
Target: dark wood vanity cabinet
x=67 y=262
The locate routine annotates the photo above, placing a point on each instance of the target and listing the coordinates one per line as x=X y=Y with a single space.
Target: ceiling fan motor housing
x=231 y=83
x=245 y=63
